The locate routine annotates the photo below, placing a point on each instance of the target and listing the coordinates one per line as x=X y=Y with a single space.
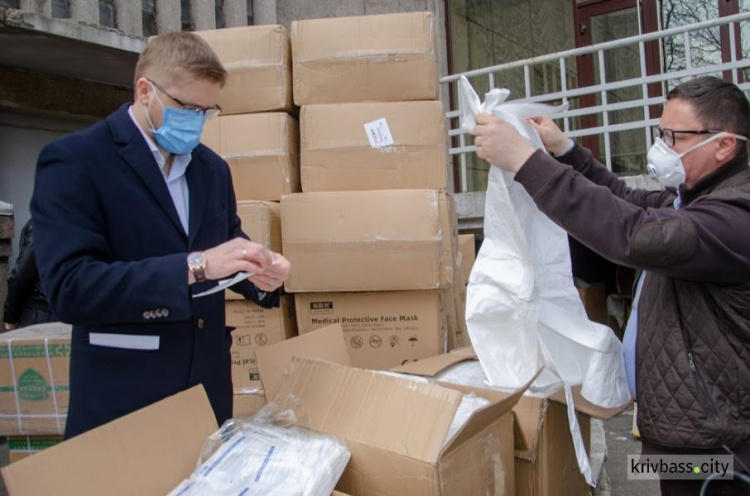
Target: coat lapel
x=137 y=154
x=199 y=184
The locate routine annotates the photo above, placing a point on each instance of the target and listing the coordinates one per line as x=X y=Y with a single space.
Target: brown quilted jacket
x=693 y=347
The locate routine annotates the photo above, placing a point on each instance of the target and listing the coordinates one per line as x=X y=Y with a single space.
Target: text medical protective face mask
x=665 y=164
x=180 y=130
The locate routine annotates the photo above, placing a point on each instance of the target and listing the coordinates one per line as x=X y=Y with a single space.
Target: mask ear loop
x=709 y=140
x=148 y=117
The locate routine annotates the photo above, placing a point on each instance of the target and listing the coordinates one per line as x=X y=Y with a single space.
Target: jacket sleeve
x=83 y=281
x=22 y=279
x=698 y=242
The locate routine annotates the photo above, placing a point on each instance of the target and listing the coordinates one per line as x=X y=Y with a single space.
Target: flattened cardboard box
x=246 y=405
x=256 y=327
x=262 y=222
x=395 y=427
x=258 y=60
x=366 y=146
x=20 y=447
x=387 y=240
x=146 y=453
x=34 y=379
x=377 y=58
x=545 y=459
x=382 y=329
x=262 y=151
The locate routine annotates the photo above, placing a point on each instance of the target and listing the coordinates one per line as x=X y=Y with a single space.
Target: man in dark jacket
x=690 y=333
x=26 y=303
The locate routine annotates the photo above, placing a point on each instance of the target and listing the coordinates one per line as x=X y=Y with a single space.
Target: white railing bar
x=527 y=81
x=733 y=55
x=605 y=113
x=688 y=51
x=551 y=57
x=564 y=91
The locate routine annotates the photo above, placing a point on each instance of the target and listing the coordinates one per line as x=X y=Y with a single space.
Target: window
x=10 y=4
x=250 y=13
x=61 y=9
x=187 y=16
x=148 y=16
x=219 y=9
x=107 y=13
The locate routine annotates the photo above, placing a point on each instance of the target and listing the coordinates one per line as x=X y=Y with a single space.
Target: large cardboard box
x=148 y=452
x=365 y=146
x=256 y=327
x=262 y=151
x=258 y=60
x=382 y=329
x=262 y=222
x=545 y=459
x=390 y=57
x=34 y=379
x=394 y=427
x=467 y=247
x=388 y=240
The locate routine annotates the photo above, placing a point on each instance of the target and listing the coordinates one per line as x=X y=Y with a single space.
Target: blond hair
x=176 y=54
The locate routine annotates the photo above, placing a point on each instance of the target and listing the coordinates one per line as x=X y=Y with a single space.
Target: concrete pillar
x=204 y=14
x=129 y=16
x=235 y=13
x=86 y=11
x=265 y=12
x=42 y=7
x=168 y=18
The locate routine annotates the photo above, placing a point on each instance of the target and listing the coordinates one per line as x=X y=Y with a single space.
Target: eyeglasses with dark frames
x=207 y=112
x=667 y=135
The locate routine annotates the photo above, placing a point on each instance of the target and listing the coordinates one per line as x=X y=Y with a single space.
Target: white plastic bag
x=523 y=312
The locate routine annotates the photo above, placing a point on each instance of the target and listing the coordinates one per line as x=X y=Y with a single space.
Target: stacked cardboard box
x=34 y=365
x=259 y=139
x=372 y=238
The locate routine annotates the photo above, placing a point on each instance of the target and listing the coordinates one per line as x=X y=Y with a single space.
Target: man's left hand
x=275 y=274
x=500 y=143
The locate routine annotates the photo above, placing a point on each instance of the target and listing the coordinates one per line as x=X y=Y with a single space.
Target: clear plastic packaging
x=268 y=455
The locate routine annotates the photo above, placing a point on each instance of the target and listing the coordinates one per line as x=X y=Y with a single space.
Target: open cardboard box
x=394 y=427
x=545 y=462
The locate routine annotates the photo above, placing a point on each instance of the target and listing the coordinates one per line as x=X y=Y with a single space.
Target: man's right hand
x=553 y=138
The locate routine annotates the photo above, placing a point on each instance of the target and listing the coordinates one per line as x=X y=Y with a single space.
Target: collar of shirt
x=180 y=162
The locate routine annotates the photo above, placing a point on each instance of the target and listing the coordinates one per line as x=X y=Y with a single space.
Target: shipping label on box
x=368 y=146
x=262 y=151
x=386 y=240
x=34 y=379
x=381 y=58
x=256 y=327
x=381 y=329
x=258 y=60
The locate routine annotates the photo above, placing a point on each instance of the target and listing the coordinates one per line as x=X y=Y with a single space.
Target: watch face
x=196 y=260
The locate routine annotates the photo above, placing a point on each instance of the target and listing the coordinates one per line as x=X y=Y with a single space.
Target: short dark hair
x=718 y=104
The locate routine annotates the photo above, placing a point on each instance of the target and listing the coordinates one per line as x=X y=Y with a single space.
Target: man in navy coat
x=132 y=217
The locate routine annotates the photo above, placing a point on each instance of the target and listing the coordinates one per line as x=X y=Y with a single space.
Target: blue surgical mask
x=180 y=130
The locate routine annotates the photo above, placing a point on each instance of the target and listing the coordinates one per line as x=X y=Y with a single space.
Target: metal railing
x=604 y=108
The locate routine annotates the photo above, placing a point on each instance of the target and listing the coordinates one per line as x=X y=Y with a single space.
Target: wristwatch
x=196 y=262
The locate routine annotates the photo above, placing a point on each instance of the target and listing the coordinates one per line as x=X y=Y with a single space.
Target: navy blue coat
x=112 y=256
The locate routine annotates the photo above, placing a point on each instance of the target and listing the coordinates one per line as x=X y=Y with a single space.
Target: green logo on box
x=32 y=386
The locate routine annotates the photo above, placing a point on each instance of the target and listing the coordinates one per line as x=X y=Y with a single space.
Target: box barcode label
x=378 y=133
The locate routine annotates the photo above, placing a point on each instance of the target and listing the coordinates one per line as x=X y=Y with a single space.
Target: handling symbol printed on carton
x=413 y=340
x=376 y=341
x=261 y=339
x=394 y=341
x=244 y=340
x=356 y=342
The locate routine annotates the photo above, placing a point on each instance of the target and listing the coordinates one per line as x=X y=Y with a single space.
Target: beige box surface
x=258 y=60
x=245 y=405
x=545 y=459
x=387 y=240
x=262 y=222
x=147 y=452
x=467 y=247
x=34 y=379
x=256 y=327
x=394 y=427
x=343 y=146
x=262 y=151
x=382 y=329
x=390 y=57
